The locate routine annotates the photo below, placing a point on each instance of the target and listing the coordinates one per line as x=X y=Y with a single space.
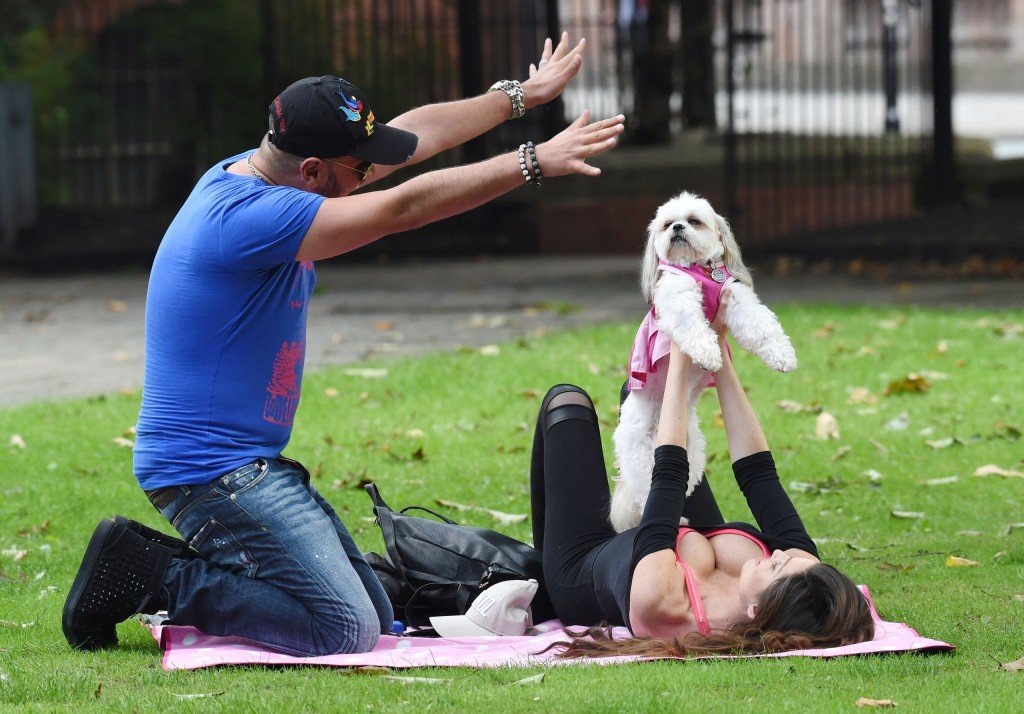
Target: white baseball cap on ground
x=502 y=609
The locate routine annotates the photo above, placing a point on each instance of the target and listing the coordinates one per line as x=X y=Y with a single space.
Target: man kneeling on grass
x=264 y=555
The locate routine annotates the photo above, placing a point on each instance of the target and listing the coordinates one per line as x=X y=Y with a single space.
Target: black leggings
x=586 y=563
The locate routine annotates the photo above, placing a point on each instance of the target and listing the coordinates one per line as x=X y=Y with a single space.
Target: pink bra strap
x=736 y=531
x=700 y=616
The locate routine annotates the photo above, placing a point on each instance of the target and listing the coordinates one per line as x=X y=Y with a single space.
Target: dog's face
x=685 y=231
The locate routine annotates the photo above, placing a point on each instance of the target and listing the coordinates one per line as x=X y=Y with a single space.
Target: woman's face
x=758 y=573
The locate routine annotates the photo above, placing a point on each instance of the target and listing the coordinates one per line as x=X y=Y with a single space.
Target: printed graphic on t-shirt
x=298 y=297
x=283 y=389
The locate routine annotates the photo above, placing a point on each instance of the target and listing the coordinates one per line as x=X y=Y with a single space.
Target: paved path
x=76 y=336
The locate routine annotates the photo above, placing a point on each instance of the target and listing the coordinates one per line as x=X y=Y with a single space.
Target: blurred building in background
x=809 y=123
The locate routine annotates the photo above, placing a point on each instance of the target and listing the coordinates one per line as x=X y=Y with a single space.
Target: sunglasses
x=364 y=169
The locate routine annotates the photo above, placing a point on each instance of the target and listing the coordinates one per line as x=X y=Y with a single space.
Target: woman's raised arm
x=741 y=425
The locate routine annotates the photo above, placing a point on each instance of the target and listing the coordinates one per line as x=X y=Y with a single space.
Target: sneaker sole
x=94 y=638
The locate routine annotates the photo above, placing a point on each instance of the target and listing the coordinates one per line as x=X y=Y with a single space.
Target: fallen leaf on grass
x=189 y=697
x=860 y=395
x=825 y=330
x=530 y=393
x=895 y=323
x=945 y=443
x=1015 y=666
x=910 y=515
x=911 y=384
x=954 y=561
x=415 y=433
x=123 y=442
x=788 y=405
x=841 y=453
x=939 y=481
x=366 y=373
x=47 y=591
x=826 y=427
x=878 y=703
x=36 y=529
x=99 y=690
x=898 y=423
x=993 y=470
x=15 y=553
x=416 y=680
x=969 y=533
x=490 y=350
x=331 y=392
x=1007 y=530
x=940 y=349
x=535 y=679
x=872 y=474
x=500 y=517
x=879 y=445
x=1006 y=431
x=453 y=504
x=17 y=441
x=505 y=519
x=901 y=568
x=17 y=625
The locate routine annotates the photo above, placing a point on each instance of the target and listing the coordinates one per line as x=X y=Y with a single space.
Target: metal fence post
x=731 y=177
x=18 y=203
x=943 y=180
x=471 y=63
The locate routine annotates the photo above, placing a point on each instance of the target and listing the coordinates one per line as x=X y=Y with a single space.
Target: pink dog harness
x=651 y=344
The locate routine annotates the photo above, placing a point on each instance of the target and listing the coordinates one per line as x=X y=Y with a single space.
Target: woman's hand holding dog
x=567 y=152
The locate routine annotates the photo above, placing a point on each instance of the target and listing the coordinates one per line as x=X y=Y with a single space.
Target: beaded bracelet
x=528 y=163
x=530 y=149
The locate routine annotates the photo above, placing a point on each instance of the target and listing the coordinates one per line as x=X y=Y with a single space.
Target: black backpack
x=438 y=567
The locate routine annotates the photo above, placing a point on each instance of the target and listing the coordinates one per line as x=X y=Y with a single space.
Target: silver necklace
x=257 y=174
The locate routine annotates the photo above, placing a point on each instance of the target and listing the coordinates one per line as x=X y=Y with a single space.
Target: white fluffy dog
x=690 y=259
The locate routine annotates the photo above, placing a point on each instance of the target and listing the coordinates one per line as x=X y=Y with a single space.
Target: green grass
x=476 y=413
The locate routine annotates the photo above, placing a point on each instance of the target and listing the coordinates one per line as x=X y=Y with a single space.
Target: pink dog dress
x=651 y=344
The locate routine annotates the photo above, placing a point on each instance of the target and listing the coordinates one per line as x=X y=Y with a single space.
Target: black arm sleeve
x=660 y=523
x=768 y=501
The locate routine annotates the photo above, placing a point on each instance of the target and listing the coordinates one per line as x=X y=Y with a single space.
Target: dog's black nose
x=677 y=226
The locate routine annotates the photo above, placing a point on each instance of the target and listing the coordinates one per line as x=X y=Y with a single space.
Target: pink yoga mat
x=188 y=648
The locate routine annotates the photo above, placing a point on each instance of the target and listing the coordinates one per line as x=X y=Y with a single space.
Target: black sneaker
x=120 y=575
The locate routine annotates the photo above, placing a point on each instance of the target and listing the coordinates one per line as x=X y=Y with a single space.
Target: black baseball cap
x=328 y=117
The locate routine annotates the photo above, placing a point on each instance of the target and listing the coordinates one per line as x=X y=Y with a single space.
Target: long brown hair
x=819 y=607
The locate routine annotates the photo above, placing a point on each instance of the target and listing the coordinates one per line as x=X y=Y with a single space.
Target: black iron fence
x=814 y=113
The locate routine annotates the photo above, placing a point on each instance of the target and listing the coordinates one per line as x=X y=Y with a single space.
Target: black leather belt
x=162 y=497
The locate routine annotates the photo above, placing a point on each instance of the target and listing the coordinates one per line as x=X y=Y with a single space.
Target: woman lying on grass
x=712 y=587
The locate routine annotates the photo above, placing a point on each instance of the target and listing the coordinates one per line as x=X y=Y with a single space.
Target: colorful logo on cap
x=351 y=106
x=369 y=124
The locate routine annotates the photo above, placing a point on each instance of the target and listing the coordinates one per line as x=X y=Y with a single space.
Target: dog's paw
x=706 y=356
x=782 y=359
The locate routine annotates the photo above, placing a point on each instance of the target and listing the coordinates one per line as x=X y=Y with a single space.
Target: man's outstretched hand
x=568 y=151
x=554 y=70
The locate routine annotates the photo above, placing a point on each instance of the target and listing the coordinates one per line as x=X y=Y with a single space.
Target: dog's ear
x=731 y=252
x=649 y=265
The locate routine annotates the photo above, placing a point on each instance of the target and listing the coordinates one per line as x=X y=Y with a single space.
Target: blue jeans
x=277 y=567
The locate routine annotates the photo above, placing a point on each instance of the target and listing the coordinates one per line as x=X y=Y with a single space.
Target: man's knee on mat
x=348 y=628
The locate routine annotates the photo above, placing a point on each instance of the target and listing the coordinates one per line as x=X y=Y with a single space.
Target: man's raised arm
x=348 y=222
x=446 y=125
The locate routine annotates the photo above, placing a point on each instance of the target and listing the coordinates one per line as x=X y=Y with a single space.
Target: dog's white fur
x=687 y=231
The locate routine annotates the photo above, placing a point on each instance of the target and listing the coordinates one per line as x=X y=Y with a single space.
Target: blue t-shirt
x=225 y=330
